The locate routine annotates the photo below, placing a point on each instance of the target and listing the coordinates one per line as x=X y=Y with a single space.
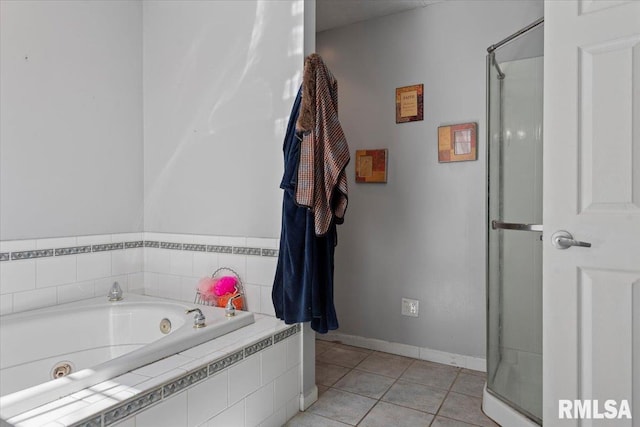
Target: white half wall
x=70 y=118
x=220 y=78
x=422 y=235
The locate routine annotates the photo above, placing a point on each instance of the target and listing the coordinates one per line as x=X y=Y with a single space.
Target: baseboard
x=309 y=398
x=423 y=353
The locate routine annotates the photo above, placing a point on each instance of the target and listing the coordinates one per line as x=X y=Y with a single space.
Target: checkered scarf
x=324 y=152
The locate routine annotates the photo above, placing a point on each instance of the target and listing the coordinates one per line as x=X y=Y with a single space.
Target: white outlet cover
x=410 y=307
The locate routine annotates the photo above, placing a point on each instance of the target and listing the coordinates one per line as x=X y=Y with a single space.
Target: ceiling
x=336 y=13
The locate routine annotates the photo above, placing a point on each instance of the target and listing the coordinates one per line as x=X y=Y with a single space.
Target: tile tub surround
x=45 y=272
x=359 y=386
x=250 y=376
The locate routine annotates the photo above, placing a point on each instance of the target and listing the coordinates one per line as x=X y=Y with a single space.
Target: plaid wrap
x=324 y=153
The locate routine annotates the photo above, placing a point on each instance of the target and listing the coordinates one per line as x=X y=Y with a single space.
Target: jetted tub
x=98 y=340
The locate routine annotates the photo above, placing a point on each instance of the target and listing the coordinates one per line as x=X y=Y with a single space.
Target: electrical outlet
x=410 y=307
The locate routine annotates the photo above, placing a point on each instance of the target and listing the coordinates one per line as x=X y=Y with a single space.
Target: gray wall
x=219 y=81
x=421 y=235
x=70 y=118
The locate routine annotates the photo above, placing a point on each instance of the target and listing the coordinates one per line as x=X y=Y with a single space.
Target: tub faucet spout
x=198 y=319
x=115 y=294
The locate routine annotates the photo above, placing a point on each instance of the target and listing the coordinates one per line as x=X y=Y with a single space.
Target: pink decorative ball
x=225 y=285
x=206 y=287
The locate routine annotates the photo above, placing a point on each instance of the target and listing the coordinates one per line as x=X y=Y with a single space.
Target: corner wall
x=220 y=78
x=421 y=235
x=70 y=118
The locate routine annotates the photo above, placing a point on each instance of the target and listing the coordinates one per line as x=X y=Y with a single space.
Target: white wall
x=421 y=235
x=219 y=81
x=70 y=118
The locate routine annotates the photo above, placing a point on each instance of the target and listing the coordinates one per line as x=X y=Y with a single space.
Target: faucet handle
x=198 y=318
x=230 y=309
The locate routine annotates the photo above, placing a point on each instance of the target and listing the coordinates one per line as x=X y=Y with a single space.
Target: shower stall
x=513 y=392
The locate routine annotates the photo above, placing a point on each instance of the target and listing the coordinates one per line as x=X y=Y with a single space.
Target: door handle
x=564 y=240
x=515 y=226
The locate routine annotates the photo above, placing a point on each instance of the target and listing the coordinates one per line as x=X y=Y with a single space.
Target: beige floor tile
x=431 y=374
x=306 y=419
x=448 y=422
x=465 y=408
x=474 y=372
x=342 y=406
x=322 y=389
x=322 y=346
x=385 y=364
x=342 y=356
x=327 y=374
x=386 y=415
x=415 y=396
x=365 y=383
x=472 y=385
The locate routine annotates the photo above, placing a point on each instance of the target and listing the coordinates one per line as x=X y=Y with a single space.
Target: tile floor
x=370 y=388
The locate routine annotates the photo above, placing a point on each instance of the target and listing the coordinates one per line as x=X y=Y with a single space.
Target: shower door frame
x=527 y=418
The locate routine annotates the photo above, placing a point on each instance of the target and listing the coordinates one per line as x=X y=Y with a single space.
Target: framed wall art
x=457 y=143
x=371 y=165
x=409 y=103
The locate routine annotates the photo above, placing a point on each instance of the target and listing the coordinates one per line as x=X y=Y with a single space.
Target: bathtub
x=98 y=340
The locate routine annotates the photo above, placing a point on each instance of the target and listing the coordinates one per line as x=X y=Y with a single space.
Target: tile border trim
x=136 y=404
x=104 y=247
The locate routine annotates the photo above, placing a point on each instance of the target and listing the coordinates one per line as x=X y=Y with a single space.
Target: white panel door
x=591 y=296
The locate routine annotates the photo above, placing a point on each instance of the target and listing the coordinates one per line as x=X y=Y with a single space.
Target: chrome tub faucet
x=115 y=294
x=198 y=318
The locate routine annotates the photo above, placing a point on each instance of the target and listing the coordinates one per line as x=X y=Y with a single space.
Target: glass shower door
x=514 y=339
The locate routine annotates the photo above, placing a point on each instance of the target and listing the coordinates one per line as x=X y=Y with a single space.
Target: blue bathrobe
x=303 y=286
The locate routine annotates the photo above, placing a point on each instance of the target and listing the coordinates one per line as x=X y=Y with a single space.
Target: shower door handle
x=564 y=240
x=499 y=225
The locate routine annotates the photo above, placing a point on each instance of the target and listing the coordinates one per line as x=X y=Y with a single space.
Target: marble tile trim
x=93 y=422
x=74 y=250
x=247 y=251
x=107 y=247
x=225 y=362
x=286 y=333
x=132 y=406
x=39 y=253
x=164 y=391
x=259 y=346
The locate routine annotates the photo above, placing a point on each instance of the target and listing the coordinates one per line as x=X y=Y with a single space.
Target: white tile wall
x=236 y=262
x=246 y=378
x=274 y=361
x=259 y=405
x=17 y=276
x=6 y=304
x=159 y=272
x=93 y=265
x=261 y=270
x=31 y=300
x=180 y=262
x=170 y=413
x=76 y=291
x=231 y=417
x=55 y=271
x=127 y=261
x=204 y=263
x=270 y=396
x=208 y=399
